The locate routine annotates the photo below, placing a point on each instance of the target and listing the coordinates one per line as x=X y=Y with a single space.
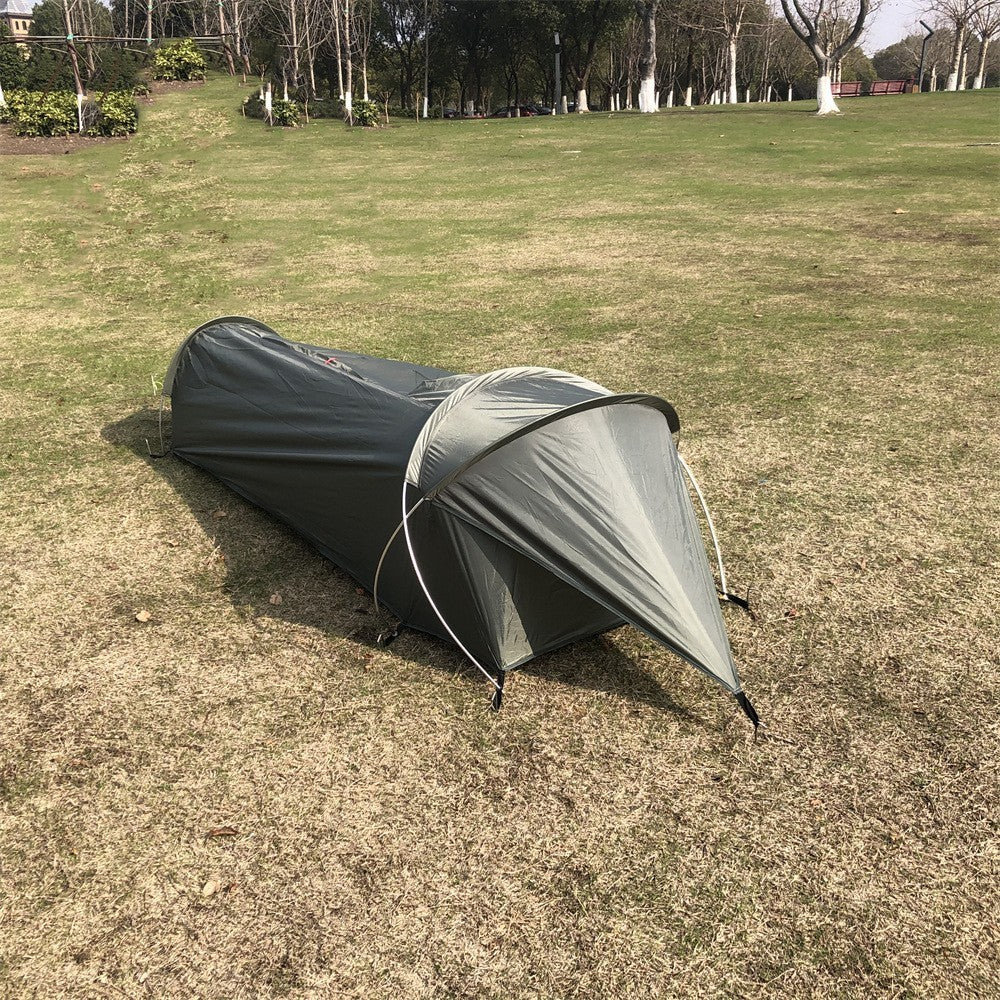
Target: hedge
x=36 y=113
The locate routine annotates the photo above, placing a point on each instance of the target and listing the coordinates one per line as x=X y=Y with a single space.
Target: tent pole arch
x=598 y=402
x=430 y=600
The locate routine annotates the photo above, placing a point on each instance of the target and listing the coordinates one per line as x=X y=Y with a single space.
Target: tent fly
x=510 y=513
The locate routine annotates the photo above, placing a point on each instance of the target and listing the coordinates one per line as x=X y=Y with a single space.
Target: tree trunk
x=349 y=67
x=977 y=83
x=336 y=45
x=647 y=56
x=295 y=48
x=961 y=69
x=733 y=95
x=223 y=32
x=957 y=46
x=581 y=99
x=74 y=61
x=824 y=93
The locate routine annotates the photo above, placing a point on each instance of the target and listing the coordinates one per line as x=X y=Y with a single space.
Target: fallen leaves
x=142 y=615
x=223 y=831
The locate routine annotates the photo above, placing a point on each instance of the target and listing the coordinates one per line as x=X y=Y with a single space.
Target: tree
x=899 y=61
x=400 y=28
x=583 y=26
x=986 y=23
x=829 y=29
x=731 y=15
x=13 y=73
x=958 y=14
x=646 y=10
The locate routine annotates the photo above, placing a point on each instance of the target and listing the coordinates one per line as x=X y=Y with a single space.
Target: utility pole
x=557 y=103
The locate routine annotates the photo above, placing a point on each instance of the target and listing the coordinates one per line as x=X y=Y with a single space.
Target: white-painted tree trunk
x=687 y=97
x=425 y=105
x=670 y=98
x=648 y=98
x=789 y=92
x=581 y=100
x=977 y=83
x=267 y=105
x=748 y=95
x=470 y=108
x=957 y=47
x=824 y=96
x=962 y=69
x=564 y=105
x=933 y=84
x=3 y=100
x=732 y=95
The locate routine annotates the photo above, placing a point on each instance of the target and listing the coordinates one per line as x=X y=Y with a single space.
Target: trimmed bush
x=34 y=113
x=31 y=112
x=181 y=60
x=117 y=114
x=285 y=113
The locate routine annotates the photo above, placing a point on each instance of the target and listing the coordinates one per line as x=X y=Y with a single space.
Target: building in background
x=16 y=14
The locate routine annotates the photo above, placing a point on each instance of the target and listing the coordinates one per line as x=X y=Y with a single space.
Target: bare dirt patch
x=48 y=145
x=173 y=86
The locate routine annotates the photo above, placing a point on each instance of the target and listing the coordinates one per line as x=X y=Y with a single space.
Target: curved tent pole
x=708 y=518
x=498 y=685
x=381 y=558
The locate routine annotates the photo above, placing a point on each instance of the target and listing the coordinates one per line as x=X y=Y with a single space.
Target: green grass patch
x=817 y=297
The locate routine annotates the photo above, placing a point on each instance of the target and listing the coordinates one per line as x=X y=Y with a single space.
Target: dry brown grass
x=240 y=799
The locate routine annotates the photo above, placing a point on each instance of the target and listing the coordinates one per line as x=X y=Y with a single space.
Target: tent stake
x=496 y=700
x=751 y=713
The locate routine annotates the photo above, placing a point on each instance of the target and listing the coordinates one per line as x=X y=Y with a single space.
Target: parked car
x=540 y=109
x=511 y=112
x=451 y=113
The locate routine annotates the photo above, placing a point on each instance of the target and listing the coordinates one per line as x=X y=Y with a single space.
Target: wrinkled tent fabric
x=540 y=507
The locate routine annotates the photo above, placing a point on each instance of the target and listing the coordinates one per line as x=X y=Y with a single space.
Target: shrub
x=282 y=112
x=31 y=112
x=117 y=114
x=34 y=113
x=180 y=60
x=326 y=107
x=365 y=113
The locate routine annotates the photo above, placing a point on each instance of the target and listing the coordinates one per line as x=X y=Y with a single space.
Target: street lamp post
x=557 y=103
x=923 y=49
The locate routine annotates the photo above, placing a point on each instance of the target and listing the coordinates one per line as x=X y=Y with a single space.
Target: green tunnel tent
x=509 y=513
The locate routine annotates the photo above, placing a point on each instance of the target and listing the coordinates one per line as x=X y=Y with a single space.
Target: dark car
x=540 y=109
x=511 y=112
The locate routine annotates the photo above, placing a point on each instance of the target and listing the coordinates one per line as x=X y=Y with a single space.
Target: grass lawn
x=238 y=798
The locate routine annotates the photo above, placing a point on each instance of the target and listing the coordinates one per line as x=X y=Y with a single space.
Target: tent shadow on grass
x=257 y=548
